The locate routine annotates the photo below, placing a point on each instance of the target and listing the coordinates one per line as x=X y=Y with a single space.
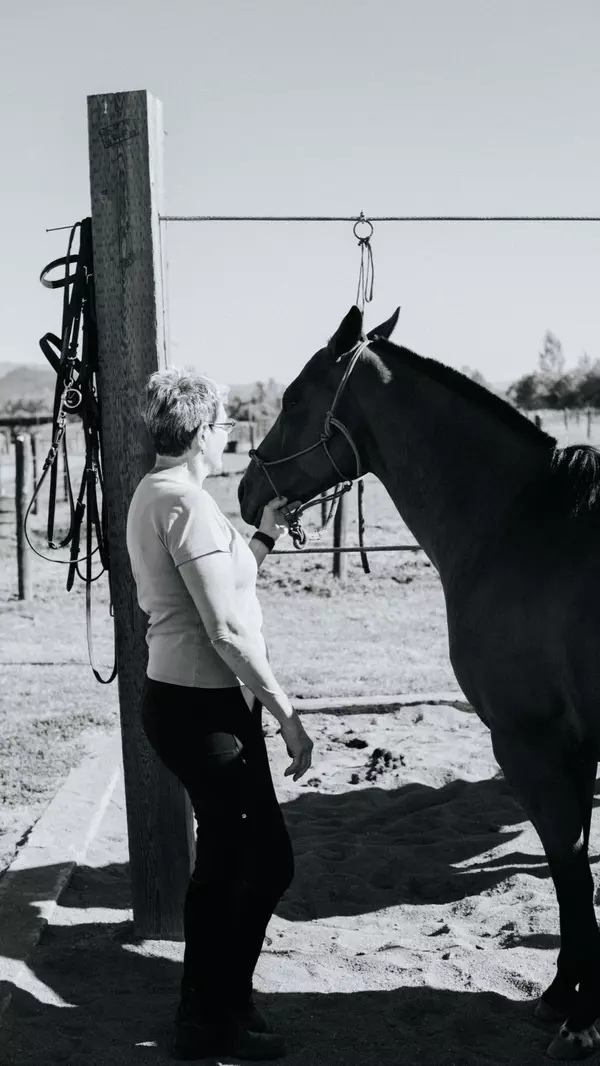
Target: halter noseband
x=331 y=423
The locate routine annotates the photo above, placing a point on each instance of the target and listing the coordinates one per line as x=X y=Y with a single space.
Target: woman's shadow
x=100 y=997
x=114 y=1000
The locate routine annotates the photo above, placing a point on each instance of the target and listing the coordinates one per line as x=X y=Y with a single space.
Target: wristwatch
x=265 y=539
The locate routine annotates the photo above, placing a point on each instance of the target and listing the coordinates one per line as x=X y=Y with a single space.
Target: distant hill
x=5 y=368
x=31 y=382
x=26 y=383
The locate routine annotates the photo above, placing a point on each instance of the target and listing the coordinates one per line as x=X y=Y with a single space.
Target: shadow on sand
x=120 y=1000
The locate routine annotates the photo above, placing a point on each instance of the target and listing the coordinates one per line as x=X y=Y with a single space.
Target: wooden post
x=21 y=486
x=340 y=559
x=324 y=509
x=125 y=144
x=589 y=423
x=33 y=440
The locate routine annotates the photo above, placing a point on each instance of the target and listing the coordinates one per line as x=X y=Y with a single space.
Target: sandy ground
x=420 y=928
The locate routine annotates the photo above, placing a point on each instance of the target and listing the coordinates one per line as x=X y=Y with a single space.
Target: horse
x=511 y=523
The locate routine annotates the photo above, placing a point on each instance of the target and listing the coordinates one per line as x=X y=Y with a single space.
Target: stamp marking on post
x=118 y=132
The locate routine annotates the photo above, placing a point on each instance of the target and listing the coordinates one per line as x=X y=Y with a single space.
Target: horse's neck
x=453 y=469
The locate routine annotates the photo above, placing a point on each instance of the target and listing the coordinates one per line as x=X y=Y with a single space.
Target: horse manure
x=380 y=761
x=356 y=742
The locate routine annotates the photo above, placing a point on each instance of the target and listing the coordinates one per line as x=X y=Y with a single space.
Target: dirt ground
x=421 y=924
x=419 y=929
x=379 y=633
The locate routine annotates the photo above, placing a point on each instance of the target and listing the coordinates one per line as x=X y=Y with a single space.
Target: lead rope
x=366 y=273
x=364 y=295
x=361 y=528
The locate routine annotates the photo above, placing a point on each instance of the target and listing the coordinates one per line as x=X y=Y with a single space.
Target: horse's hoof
x=572 y=1047
x=545 y=1013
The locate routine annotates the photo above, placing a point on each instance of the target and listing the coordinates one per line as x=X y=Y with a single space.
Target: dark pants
x=214 y=744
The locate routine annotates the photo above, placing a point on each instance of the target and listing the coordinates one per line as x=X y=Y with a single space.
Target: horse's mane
x=471 y=390
x=574 y=475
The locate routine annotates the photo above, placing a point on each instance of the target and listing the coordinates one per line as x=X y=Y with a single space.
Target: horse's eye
x=286 y=404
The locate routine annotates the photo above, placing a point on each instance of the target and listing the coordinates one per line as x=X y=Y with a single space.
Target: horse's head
x=303 y=468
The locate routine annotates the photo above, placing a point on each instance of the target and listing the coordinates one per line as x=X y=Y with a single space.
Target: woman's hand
x=273 y=521
x=299 y=745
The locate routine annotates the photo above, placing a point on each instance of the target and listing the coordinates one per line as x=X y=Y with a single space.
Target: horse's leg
x=560 y=999
x=554 y=783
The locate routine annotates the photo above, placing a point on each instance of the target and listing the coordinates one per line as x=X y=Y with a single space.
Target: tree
x=26 y=407
x=584 y=366
x=263 y=401
x=475 y=375
x=529 y=392
x=552 y=387
x=561 y=393
x=551 y=357
x=588 y=393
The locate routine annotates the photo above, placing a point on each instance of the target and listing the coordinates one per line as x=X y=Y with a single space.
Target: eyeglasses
x=227 y=426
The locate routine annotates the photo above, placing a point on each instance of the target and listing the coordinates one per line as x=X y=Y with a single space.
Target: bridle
x=331 y=424
x=76 y=393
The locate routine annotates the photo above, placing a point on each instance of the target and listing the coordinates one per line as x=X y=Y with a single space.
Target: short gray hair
x=177 y=403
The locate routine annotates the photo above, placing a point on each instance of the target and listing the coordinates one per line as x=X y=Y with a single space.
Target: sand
x=420 y=928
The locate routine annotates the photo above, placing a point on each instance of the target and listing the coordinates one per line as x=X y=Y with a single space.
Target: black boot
x=199 y=1034
x=254 y=1020
x=197 y=1041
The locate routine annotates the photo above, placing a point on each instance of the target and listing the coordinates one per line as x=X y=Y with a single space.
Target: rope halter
x=330 y=424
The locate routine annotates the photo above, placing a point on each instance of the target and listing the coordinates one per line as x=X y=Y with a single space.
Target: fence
x=125 y=133
x=20 y=436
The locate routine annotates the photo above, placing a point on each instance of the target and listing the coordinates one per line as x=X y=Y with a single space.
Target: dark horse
x=512 y=524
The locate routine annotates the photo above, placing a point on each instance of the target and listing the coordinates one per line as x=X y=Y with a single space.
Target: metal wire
x=372 y=218
x=380 y=218
x=366 y=548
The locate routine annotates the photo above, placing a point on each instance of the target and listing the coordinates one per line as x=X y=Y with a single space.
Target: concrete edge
x=33 y=883
x=380 y=704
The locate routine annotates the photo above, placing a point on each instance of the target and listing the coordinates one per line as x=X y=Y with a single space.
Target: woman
x=196 y=578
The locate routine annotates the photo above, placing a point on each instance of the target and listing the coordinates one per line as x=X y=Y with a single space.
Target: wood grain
x=125 y=148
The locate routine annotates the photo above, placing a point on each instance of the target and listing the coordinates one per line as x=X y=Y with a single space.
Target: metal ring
x=72 y=398
x=363 y=222
x=298 y=537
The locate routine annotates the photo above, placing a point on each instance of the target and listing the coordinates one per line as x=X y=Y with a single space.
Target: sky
x=391 y=107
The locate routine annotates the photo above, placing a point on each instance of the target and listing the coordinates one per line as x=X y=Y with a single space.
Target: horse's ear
x=347 y=335
x=386 y=329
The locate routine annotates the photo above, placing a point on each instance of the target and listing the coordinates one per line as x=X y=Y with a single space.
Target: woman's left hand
x=273 y=521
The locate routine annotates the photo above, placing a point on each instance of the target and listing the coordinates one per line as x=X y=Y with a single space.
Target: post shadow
x=123 y=1001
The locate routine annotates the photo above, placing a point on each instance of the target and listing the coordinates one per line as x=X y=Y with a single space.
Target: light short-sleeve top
x=172 y=520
